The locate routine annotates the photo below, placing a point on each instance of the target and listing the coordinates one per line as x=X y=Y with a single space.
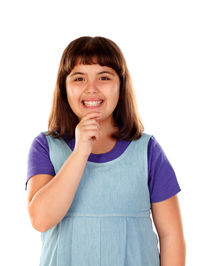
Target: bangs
x=98 y=50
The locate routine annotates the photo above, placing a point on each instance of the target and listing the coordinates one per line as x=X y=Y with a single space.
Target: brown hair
x=105 y=52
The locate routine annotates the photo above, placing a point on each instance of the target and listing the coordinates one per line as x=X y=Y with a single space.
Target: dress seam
x=139 y=215
x=100 y=244
x=126 y=244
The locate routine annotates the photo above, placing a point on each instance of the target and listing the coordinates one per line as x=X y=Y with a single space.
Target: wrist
x=80 y=154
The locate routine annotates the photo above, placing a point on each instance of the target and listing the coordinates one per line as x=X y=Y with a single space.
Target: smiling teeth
x=92 y=103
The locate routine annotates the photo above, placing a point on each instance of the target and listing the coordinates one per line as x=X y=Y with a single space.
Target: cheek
x=70 y=98
x=71 y=93
x=73 y=97
x=116 y=92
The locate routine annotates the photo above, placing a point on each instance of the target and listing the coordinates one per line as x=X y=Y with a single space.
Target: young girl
x=95 y=177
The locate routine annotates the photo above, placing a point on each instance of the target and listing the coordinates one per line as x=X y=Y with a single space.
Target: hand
x=86 y=132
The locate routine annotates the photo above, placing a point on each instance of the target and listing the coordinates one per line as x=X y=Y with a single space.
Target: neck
x=106 y=129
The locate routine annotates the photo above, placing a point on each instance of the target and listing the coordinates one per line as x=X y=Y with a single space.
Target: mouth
x=92 y=104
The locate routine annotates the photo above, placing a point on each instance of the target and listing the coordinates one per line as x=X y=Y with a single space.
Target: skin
x=166 y=214
x=167 y=219
x=105 y=86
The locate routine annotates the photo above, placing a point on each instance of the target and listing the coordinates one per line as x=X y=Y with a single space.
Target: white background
x=160 y=41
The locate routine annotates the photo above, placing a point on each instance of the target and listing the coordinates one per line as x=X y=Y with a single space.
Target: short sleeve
x=162 y=180
x=38 y=158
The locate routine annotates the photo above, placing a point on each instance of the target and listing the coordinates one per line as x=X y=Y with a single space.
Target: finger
x=90 y=127
x=90 y=122
x=91 y=115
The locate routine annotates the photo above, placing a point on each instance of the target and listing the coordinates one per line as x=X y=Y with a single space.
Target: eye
x=104 y=78
x=78 y=79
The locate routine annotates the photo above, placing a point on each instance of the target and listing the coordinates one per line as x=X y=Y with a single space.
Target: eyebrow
x=102 y=72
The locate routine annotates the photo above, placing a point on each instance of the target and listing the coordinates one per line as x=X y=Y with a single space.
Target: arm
x=50 y=198
x=167 y=219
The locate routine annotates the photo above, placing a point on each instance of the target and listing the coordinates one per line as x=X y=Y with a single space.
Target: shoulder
x=156 y=155
x=146 y=138
x=40 y=141
x=40 y=137
x=39 y=145
x=156 y=152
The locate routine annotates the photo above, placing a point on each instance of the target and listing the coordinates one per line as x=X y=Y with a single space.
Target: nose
x=91 y=87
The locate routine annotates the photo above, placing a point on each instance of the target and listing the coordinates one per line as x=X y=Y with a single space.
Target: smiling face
x=93 y=83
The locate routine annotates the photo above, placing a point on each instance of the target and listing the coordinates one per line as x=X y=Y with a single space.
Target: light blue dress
x=108 y=222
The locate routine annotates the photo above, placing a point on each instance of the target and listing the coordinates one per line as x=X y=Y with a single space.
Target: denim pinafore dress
x=108 y=222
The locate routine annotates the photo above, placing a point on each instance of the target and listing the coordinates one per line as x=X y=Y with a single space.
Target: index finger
x=91 y=115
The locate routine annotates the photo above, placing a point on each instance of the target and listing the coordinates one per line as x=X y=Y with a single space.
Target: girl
x=95 y=177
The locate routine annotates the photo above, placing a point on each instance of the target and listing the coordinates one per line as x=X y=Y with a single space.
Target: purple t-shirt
x=162 y=181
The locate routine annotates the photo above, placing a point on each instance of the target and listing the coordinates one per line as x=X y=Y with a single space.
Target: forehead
x=91 y=68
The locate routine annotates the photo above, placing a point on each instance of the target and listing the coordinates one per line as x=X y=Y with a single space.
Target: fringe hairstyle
x=103 y=51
